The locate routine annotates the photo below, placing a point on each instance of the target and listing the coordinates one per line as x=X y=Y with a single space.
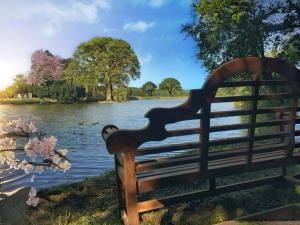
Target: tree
x=19 y=86
x=103 y=61
x=149 y=87
x=225 y=29
x=170 y=84
x=44 y=68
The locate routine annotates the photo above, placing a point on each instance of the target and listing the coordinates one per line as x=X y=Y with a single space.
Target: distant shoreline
x=48 y=101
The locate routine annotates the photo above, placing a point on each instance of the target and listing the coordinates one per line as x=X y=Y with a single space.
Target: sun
x=7 y=74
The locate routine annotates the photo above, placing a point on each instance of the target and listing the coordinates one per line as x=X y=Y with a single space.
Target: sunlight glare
x=7 y=74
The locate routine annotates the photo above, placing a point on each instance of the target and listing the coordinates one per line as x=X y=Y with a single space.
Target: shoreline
x=48 y=101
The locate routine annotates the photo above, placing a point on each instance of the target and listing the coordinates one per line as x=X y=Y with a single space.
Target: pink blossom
x=39 y=169
x=63 y=152
x=65 y=165
x=45 y=67
x=24 y=165
x=21 y=127
x=32 y=199
x=32 y=127
x=7 y=157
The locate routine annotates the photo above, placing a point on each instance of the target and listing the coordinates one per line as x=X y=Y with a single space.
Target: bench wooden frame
x=134 y=178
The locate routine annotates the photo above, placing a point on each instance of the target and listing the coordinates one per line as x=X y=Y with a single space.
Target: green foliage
x=287 y=49
x=40 y=91
x=170 y=84
x=65 y=92
x=106 y=61
x=226 y=29
x=120 y=94
x=149 y=87
x=135 y=91
x=19 y=86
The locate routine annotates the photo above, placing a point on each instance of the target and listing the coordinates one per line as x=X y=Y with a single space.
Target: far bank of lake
x=47 y=101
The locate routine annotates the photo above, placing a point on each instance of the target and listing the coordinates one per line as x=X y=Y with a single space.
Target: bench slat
x=225 y=141
x=213 y=164
x=167 y=148
x=247 y=125
x=244 y=112
x=178 y=160
x=173 y=133
x=251 y=97
x=253 y=83
x=165 y=202
x=191 y=175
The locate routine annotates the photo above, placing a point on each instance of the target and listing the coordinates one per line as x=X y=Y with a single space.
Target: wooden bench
x=264 y=136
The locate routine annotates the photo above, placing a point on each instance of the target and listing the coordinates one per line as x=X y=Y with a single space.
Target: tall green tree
x=149 y=87
x=170 y=84
x=225 y=29
x=103 y=61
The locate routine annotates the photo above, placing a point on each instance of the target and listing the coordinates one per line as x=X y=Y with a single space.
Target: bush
x=40 y=91
x=64 y=92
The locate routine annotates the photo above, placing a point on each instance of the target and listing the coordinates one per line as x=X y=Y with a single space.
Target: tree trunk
x=170 y=92
x=109 y=92
x=86 y=90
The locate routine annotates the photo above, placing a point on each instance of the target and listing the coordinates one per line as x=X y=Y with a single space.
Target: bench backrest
x=268 y=86
x=268 y=91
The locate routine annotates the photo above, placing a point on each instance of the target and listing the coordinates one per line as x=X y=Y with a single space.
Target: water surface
x=86 y=148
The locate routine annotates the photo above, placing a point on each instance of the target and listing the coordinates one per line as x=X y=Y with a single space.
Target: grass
x=155 y=97
x=93 y=201
x=15 y=101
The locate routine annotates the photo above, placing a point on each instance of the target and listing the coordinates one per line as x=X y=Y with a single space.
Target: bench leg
x=119 y=190
x=130 y=191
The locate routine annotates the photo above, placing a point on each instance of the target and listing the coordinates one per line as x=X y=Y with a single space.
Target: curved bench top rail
x=130 y=140
x=252 y=65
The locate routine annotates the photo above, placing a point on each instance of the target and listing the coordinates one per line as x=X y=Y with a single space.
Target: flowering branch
x=37 y=146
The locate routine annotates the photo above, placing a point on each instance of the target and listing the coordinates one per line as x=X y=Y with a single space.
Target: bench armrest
x=129 y=140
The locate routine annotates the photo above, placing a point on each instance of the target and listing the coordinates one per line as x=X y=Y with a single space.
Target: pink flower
x=44 y=67
x=32 y=199
x=65 y=165
x=32 y=127
x=64 y=151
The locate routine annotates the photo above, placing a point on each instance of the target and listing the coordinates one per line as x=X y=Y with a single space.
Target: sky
x=151 y=27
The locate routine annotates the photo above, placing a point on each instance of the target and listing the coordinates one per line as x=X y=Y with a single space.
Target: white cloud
x=145 y=59
x=141 y=26
x=157 y=3
x=54 y=15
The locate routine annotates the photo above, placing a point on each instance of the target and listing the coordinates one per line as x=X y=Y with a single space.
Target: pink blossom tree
x=40 y=151
x=44 y=67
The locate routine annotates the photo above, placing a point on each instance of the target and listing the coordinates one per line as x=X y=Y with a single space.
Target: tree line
x=100 y=67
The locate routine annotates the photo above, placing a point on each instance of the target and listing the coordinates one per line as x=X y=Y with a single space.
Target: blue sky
x=152 y=27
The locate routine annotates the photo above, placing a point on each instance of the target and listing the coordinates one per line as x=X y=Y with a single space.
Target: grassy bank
x=15 y=101
x=93 y=201
x=155 y=97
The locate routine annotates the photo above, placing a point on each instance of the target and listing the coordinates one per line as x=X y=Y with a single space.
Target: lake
x=87 y=150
